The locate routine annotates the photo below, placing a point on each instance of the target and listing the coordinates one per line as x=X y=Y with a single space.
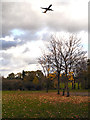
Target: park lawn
x=70 y=90
x=29 y=104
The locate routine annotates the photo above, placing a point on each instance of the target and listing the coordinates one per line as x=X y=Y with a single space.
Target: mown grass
x=29 y=104
x=74 y=90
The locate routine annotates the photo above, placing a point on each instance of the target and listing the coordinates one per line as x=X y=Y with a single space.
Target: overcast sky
x=25 y=29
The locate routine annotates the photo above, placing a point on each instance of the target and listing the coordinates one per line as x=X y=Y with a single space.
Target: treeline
x=36 y=80
x=27 y=80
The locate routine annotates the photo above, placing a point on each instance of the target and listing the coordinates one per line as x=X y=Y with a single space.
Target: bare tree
x=44 y=61
x=56 y=58
x=72 y=54
x=64 y=55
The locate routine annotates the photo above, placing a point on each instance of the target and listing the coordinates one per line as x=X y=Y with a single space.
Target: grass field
x=29 y=104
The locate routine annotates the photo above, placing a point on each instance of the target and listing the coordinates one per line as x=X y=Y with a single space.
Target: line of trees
x=64 y=55
x=27 y=80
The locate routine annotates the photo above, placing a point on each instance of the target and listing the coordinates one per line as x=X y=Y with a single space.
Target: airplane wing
x=49 y=6
x=43 y=8
x=50 y=9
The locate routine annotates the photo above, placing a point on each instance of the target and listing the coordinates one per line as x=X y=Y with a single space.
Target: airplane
x=46 y=9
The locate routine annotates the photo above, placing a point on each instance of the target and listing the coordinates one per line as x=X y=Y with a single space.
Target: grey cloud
x=19 y=15
x=6 y=59
x=22 y=16
x=8 y=44
x=26 y=50
x=9 y=60
x=31 y=61
x=24 y=39
x=46 y=36
x=6 y=55
x=28 y=36
x=61 y=21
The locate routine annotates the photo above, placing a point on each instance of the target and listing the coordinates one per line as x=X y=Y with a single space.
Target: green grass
x=70 y=85
x=44 y=91
x=30 y=104
x=76 y=90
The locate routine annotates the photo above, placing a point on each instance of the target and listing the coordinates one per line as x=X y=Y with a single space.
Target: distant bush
x=12 y=84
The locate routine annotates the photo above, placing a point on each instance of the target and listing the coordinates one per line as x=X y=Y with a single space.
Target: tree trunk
x=78 y=85
x=72 y=85
x=67 y=87
x=47 y=86
x=64 y=90
x=58 y=83
x=85 y=83
x=68 y=92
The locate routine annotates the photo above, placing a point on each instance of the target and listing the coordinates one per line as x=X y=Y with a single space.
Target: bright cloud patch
x=17 y=32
